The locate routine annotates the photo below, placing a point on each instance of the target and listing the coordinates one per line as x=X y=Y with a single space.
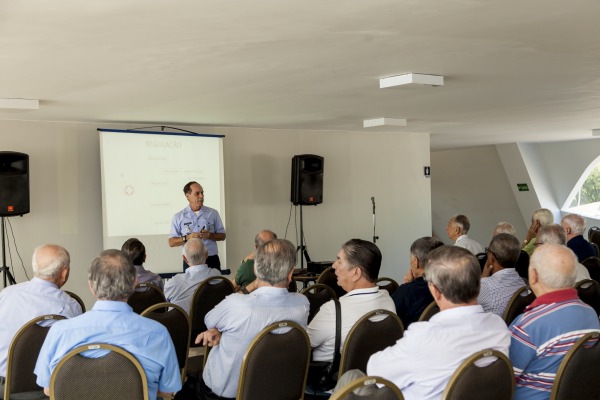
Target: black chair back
x=494 y=381
x=22 y=356
x=329 y=278
x=77 y=299
x=387 y=284
x=372 y=333
x=429 y=311
x=77 y=377
x=179 y=326
x=517 y=304
x=588 y=291
x=577 y=377
x=593 y=266
x=317 y=295
x=145 y=296
x=207 y=295
x=275 y=364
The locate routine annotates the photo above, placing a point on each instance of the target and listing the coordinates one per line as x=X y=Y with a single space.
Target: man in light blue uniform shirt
x=112 y=280
x=180 y=289
x=239 y=318
x=21 y=303
x=197 y=221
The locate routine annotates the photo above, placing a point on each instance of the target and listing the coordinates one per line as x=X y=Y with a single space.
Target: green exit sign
x=522 y=187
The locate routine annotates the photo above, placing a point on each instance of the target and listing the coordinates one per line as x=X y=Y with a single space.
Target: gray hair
x=462 y=221
x=575 y=222
x=553 y=233
x=259 y=239
x=555 y=265
x=423 y=246
x=112 y=275
x=504 y=227
x=543 y=215
x=506 y=249
x=195 y=252
x=49 y=260
x=455 y=272
x=364 y=255
x=274 y=260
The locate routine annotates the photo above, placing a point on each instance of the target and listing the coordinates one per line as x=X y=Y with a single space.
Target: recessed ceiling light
x=370 y=123
x=407 y=79
x=19 y=104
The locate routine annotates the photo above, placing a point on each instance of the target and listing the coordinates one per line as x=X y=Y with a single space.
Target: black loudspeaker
x=307 y=180
x=14 y=183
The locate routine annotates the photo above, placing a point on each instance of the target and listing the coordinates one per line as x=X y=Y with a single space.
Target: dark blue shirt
x=411 y=299
x=581 y=247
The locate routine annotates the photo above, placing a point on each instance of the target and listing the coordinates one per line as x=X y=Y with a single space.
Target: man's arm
x=322 y=326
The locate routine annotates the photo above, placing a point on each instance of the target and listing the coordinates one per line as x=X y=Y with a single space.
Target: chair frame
x=17 y=337
x=584 y=282
x=356 y=326
x=96 y=346
x=258 y=338
x=393 y=282
x=200 y=286
x=348 y=388
x=427 y=310
x=570 y=354
x=460 y=371
x=513 y=299
x=323 y=275
x=167 y=305
x=77 y=299
x=150 y=286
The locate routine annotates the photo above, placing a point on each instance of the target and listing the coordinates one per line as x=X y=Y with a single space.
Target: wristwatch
x=184 y=238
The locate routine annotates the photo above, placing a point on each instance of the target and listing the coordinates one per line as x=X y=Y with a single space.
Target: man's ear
x=533 y=276
x=357 y=274
x=434 y=291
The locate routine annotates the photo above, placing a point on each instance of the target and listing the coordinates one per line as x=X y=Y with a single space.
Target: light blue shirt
x=114 y=322
x=145 y=276
x=180 y=288
x=21 y=303
x=240 y=318
x=186 y=221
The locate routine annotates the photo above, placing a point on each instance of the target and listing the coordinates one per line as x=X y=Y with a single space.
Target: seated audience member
x=499 y=280
x=556 y=234
x=541 y=217
x=422 y=362
x=457 y=230
x=180 y=289
x=239 y=318
x=137 y=251
x=504 y=227
x=545 y=332
x=245 y=273
x=574 y=227
x=357 y=268
x=21 y=303
x=413 y=296
x=112 y=280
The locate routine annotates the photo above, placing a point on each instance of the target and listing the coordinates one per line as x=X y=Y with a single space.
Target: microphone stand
x=375 y=237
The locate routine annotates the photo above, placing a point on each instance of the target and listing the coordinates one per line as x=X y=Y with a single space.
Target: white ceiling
x=515 y=70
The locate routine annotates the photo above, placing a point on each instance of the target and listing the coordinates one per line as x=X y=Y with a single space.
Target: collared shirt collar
x=111 y=305
x=194 y=268
x=43 y=282
x=270 y=291
x=355 y=292
x=458 y=311
x=558 y=296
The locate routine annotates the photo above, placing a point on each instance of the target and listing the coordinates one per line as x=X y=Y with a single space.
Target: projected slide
x=143 y=176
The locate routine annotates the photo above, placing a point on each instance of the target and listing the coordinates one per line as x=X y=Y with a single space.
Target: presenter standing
x=197 y=221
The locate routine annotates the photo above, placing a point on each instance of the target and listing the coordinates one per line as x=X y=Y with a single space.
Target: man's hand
x=409 y=277
x=210 y=337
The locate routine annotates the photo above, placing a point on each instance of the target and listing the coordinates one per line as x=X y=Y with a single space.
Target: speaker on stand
x=307 y=189
x=14 y=196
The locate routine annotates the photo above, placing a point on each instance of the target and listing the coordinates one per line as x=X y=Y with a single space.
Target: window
x=585 y=197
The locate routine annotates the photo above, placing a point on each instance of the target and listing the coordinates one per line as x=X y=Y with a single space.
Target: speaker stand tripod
x=7 y=276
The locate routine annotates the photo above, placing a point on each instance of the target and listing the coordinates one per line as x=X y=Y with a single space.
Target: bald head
x=49 y=261
x=263 y=237
x=554 y=266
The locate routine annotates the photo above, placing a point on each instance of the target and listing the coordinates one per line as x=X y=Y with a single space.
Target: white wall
x=472 y=182
x=66 y=193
